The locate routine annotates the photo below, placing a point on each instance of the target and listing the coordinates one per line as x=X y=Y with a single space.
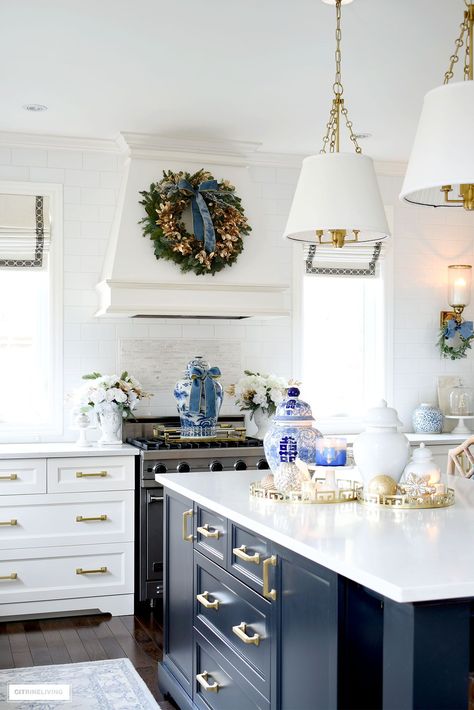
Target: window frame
x=55 y=428
x=347 y=425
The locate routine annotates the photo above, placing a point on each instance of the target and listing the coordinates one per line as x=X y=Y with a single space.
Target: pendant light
x=440 y=171
x=337 y=199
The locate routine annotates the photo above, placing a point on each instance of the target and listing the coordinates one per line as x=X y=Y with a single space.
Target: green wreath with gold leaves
x=219 y=221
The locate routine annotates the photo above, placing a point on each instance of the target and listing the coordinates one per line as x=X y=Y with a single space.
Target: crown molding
x=155 y=147
x=50 y=142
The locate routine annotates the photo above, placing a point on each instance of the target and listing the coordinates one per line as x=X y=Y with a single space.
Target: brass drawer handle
x=241 y=553
x=267 y=592
x=203 y=599
x=205 y=532
x=101 y=570
x=13 y=575
x=202 y=680
x=10 y=477
x=81 y=519
x=240 y=631
x=9 y=522
x=187 y=514
x=99 y=474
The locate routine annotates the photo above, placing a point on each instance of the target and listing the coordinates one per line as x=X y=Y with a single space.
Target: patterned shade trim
x=342 y=270
x=39 y=244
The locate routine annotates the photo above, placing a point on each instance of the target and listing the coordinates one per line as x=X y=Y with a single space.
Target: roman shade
x=360 y=260
x=24 y=231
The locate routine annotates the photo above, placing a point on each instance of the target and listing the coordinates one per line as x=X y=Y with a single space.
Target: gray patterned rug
x=98 y=685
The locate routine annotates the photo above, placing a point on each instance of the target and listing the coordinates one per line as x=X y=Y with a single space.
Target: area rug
x=97 y=685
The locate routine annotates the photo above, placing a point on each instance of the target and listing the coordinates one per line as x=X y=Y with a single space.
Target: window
x=30 y=324
x=341 y=344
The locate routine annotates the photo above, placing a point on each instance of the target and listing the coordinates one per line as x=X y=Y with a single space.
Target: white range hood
x=135 y=284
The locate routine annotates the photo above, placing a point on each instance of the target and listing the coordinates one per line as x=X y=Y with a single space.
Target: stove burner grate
x=155 y=444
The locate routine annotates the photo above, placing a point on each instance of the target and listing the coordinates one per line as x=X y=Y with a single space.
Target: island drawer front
x=210 y=535
x=66 y=572
x=71 y=518
x=234 y=692
x=237 y=604
x=22 y=476
x=91 y=473
x=258 y=548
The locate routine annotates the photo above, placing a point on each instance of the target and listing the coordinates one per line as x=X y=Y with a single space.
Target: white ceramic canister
x=422 y=467
x=381 y=449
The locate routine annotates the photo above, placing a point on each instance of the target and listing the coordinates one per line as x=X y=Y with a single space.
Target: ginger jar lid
x=382 y=416
x=293 y=409
x=422 y=454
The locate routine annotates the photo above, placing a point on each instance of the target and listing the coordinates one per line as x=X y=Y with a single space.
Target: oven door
x=154 y=542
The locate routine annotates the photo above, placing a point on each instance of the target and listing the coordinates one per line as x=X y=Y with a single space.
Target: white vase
x=109 y=416
x=262 y=421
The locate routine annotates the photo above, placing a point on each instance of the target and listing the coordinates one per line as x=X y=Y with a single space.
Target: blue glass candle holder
x=331 y=452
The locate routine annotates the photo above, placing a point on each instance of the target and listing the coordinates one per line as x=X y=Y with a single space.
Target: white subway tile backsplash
x=94 y=230
x=31 y=157
x=64 y=158
x=97 y=196
x=47 y=175
x=82 y=178
x=14 y=172
x=100 y=161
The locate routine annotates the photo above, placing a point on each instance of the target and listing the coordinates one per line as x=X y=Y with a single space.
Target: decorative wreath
x=464 y=334
x=218 y=221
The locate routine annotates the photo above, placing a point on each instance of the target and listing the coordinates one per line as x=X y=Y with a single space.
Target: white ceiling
x=254 y=70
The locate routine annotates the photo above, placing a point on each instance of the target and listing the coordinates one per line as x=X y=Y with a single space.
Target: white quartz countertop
x=34 y=451
x=406 y=555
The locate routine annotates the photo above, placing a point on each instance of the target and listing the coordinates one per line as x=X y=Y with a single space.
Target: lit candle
x=331 y=452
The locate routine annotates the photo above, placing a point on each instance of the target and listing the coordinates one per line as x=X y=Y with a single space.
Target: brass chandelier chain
x=332 y=135
x=465 y=38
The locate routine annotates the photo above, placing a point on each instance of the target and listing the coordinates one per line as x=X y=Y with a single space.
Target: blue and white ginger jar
x=427 y=419
x=199 y=398
x=292 y=433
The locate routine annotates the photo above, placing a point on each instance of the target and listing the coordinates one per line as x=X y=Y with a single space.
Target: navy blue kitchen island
x=307 y=607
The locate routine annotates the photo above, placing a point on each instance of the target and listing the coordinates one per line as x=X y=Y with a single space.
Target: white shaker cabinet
x=67 y=532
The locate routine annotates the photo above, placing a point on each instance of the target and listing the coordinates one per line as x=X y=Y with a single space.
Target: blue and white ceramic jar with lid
x=292 y=433
x=427 y=419
x=199 y=398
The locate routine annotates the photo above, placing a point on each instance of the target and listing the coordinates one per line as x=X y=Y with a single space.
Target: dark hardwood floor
x=86 y=638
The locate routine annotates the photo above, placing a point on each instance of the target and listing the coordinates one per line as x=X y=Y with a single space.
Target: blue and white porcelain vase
x=292 y=433
x=427 y=419
x=199 y=398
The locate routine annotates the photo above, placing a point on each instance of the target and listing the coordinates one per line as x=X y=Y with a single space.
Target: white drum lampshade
x=337 y=191
x=443 y=151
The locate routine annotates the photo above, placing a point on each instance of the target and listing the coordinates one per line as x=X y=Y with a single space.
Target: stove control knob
x=183 y=468
x=240 y=465
x=159 y=468
x=216 y=466
x=262 y=465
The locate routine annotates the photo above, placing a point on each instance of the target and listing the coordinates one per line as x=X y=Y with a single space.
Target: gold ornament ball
x=268 y=482
x=382 y=486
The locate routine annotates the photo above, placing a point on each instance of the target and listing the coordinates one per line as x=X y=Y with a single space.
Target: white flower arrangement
x=125 y=391
x=256 y=391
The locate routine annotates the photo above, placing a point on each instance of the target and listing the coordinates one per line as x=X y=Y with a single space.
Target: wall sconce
x=459 y=291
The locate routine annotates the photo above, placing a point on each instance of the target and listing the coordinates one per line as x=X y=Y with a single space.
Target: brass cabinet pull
x=81 y=519
x=241 y=553
x=241 y=632
x=187 y=514
x=267 y=592
x=203 y=599
x=101 y=570
x=210 y=687
x=13 y=575
x=10 y=477
x=205 y=532
x=99 y=474
x=9 y=522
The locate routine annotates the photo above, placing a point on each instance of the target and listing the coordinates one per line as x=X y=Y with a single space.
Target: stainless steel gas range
x=162 y=450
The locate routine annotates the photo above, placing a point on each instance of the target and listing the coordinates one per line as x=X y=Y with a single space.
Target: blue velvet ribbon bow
x=202 y=220
x=204 y=378
x=465 y=329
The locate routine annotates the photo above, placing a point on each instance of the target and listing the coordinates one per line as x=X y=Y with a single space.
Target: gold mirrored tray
x=346 y=492
x=403 y=500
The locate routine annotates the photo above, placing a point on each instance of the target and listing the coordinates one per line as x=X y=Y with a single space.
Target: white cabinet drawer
x=91 y=473
x=22 y=476
x=40 y=521
x=66 y=572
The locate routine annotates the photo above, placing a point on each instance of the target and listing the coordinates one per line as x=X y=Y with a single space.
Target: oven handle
x=156 y=499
